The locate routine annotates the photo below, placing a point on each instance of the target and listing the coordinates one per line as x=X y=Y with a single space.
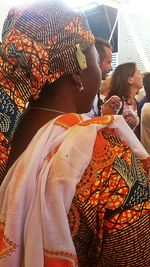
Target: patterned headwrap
x=41 y=42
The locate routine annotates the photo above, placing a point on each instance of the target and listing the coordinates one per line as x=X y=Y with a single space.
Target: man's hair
x=100 y=46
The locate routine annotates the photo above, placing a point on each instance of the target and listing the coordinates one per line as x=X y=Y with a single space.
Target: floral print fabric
x=128 y=112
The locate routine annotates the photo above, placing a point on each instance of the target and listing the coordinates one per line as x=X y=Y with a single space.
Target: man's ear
x=130 y=80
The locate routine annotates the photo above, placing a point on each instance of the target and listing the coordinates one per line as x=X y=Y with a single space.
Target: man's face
x=105 y=64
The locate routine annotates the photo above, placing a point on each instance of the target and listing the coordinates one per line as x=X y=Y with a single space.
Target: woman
x=21 y=78
x=77 y=195
x=125 y=83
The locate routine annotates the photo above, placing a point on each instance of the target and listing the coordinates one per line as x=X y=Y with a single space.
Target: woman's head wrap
x=41 y=42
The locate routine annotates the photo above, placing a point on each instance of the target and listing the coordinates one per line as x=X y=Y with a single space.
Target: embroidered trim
x=105 y=120
x=59 y=258
x=68 y=120
x=7 y=246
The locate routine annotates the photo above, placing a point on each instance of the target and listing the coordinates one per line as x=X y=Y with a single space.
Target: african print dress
x=41 y=42
x=82 y=200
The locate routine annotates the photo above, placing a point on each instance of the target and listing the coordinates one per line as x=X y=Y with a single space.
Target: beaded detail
x=7 y=246
x=59 y=258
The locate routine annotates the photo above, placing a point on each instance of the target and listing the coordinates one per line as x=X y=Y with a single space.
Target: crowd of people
x=74 y=189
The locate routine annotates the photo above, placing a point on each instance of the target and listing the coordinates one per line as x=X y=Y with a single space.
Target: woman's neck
x=53 y=106
x=59 y=112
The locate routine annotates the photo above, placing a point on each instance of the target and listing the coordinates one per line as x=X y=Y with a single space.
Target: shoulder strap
x=121 y=110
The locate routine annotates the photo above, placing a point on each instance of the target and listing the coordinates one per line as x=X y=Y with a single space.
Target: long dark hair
x=119 y=82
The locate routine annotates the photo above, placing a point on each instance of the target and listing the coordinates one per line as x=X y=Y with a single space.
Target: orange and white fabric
x=41 y=42
x=37 y=193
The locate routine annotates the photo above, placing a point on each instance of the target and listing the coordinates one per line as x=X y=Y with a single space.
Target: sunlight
x=135 y=7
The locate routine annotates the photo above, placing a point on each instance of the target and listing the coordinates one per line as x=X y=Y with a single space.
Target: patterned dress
x=128 y=112
x=84 y=193
x=109 y=216
x=28 y=58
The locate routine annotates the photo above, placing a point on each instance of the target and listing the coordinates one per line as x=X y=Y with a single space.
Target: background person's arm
x=112 y=106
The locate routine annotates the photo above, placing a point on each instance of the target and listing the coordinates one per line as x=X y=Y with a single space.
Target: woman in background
x=126 y=81
x=78 y=194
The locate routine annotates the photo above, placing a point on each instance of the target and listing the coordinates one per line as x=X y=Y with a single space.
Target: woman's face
x=91 y=79
x=137 y=80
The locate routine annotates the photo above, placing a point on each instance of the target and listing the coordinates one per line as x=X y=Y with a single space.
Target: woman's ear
x=130 y=80
x=76 y=76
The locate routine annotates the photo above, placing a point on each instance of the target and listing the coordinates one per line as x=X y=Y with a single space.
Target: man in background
x=104 y=50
